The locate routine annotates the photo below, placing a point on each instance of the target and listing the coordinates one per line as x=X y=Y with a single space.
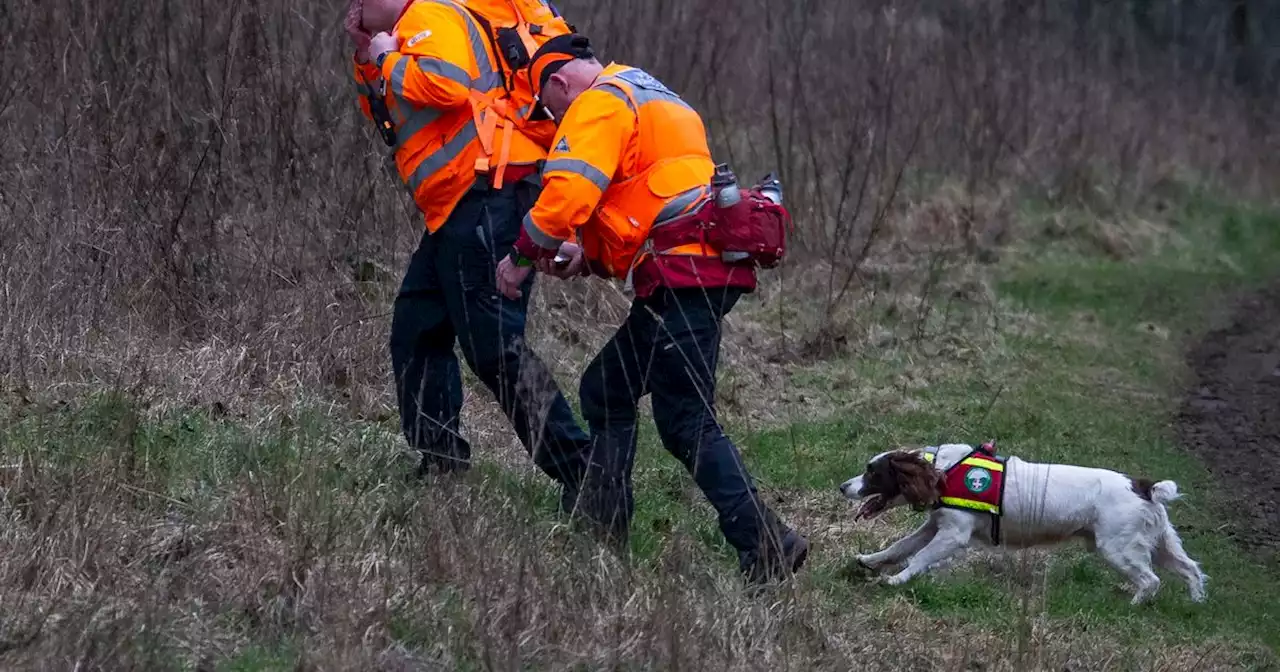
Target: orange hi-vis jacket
x=629 y=156
x=453 y=117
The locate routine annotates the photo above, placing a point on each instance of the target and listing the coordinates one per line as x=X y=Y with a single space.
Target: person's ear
x=560 y=82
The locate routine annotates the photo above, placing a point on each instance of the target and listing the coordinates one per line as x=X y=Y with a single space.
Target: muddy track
x=1231 y=416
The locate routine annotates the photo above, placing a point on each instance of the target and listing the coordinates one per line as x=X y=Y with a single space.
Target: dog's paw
x=867 y=562
x=895 y=580
x=856 y=571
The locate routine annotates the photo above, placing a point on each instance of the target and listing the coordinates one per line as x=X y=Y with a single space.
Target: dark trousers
x=449 y=296
x=668 y=347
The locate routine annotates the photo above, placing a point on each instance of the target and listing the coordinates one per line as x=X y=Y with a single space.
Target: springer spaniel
x=1122 y=519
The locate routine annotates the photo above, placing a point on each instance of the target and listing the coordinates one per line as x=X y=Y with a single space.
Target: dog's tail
x=1164 y=492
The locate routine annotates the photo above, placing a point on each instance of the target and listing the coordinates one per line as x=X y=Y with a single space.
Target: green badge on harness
x=977 y=480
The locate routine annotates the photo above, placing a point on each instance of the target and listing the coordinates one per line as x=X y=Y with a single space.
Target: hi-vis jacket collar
x=975 y=483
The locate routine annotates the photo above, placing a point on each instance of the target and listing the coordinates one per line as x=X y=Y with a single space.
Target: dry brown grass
x=225 y=227
x=193 y=215
x=295 y=569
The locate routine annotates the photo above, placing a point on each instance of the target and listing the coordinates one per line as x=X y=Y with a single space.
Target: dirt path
x=1231 y=415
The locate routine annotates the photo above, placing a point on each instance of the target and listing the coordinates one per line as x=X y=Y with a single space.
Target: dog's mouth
x=871 y=507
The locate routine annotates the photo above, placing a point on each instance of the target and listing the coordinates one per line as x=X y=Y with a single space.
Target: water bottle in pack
x=749 y=226
x=725 y=185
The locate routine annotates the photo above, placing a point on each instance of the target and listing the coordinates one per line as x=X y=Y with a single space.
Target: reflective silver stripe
x=441 y=157
x=613 y=90
x=644 y=96
x=422 y=116
x=644 y=89
x=445 y=69
x=680 y=205
x=539 y=238
x=478 y=48
x=397 y=77
x=487 y=83
x=399 y=114
x=418 y=120
x=580 y=168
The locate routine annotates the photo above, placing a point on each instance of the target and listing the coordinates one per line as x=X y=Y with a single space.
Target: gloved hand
x=382 y=43
x=354 y=26
x=574 y=262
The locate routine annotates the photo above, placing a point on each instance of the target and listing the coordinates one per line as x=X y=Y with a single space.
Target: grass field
x=141 y=531
x=1085 y=367
x=997 y=238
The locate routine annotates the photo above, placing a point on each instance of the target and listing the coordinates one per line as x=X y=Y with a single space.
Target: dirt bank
x=1231 y=415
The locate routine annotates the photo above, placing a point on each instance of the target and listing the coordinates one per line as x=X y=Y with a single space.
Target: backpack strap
x=489 y=109
x=487 y=29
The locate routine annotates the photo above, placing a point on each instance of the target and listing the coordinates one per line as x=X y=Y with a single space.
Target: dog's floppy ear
x=919 y=483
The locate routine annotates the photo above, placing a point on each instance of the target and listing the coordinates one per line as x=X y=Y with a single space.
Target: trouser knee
x=604 y=401
x=495 y=361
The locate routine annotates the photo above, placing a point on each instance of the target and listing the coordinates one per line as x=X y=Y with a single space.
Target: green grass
x=1094 y=384
x=262 y=659
x=1085 y=369
x=1214 y=247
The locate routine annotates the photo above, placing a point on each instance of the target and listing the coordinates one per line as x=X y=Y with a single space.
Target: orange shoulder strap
x=490 y=107
x=486 y=110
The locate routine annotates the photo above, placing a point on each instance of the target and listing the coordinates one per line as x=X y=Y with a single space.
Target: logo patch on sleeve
x=562 y=146
x=418 y=38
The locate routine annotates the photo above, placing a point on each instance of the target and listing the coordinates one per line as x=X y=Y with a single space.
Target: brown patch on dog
x=1142 y=487
x=919 y=483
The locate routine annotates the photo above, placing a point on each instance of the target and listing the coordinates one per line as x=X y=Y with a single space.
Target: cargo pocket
x=613 y=238
x=619 y=234
x=497 y=227
x=475 y=266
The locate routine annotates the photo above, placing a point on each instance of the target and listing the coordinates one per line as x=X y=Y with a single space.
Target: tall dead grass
x=283 y=545
x=192 y=189
x=192 y=209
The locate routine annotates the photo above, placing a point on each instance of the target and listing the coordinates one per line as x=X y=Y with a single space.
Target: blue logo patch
x=645 y=80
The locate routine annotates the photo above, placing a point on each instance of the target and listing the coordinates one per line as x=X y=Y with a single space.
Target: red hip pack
x=753 y=231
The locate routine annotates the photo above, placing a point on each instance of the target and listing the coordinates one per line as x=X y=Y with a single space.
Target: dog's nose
x=844 y=487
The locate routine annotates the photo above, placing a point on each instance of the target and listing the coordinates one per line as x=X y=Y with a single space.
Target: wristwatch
x=519 y=259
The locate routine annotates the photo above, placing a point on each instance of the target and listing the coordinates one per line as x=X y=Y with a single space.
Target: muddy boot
x=431 y=466
x=772 y=561
x=605 y=514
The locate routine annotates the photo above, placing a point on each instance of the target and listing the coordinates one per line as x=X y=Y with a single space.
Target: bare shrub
x=193 y=211
x=177 y=201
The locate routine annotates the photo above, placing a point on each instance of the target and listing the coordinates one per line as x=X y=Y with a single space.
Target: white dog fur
x=1044 y=504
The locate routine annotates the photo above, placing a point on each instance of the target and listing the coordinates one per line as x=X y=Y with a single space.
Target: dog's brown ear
x=919 y=483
